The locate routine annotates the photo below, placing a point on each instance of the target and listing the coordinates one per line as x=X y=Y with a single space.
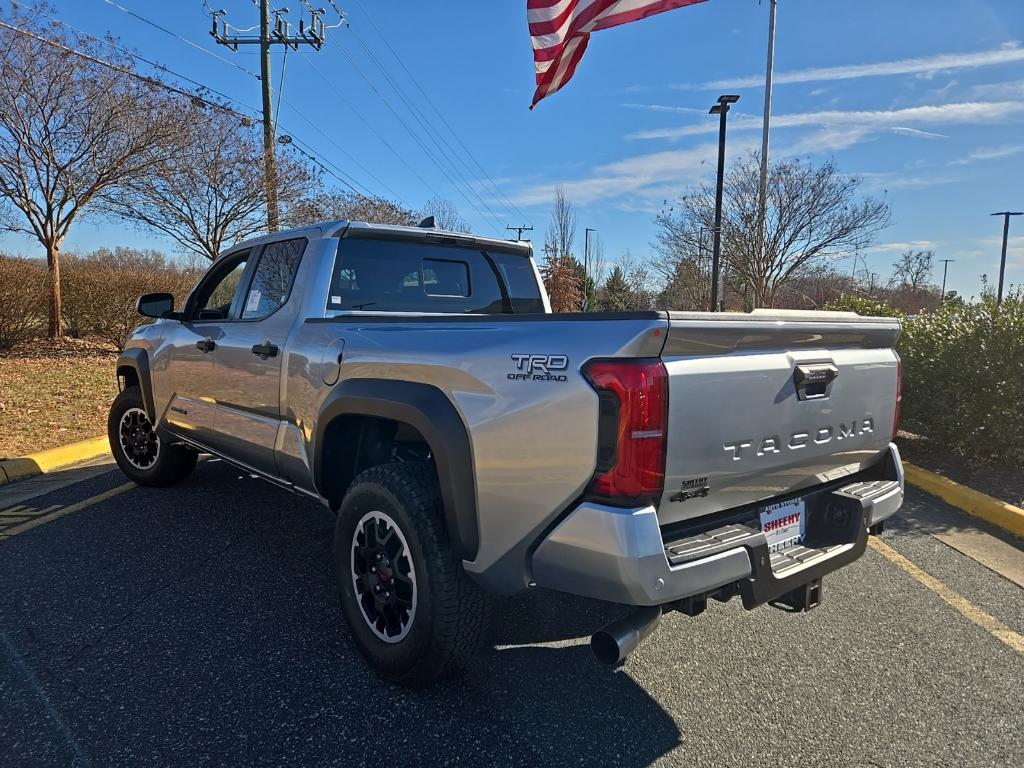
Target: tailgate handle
x=814 y=382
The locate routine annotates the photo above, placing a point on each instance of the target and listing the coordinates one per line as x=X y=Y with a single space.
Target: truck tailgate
x=771 y=402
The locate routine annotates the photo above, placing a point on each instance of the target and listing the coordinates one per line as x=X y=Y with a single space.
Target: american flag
x=561 y=30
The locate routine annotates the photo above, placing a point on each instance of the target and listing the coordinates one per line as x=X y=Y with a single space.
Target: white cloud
x=989 y=153
x=910 y=245
x=648 y=179
x=1013 y=89
x=655 y=176
x=667 y=108
x=943 y=62
x=889 y=180
x=870 y=121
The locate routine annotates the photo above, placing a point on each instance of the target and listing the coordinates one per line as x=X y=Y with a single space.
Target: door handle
x=265 y=350
x=814 y=382
x=206 y=345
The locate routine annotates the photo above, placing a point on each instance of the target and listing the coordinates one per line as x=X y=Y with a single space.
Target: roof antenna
x=427 y=223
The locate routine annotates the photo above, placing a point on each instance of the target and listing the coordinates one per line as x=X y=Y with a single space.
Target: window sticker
x=253 y=304
x=335 y=299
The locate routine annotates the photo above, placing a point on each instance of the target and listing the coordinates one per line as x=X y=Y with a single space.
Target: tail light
x=899 y=396
x=632 y=427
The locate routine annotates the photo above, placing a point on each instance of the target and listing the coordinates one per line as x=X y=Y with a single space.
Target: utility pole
x=586 y=266
x=762 y=199
x=519 y=231
x=722 y=110
x=945 y=268
x=1002 y=261
x=280 y=34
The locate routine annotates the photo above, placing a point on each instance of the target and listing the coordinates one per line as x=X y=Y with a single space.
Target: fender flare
x=433 y=414
x=138 y=360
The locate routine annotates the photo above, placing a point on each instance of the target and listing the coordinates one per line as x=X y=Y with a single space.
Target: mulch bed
x=999 y=479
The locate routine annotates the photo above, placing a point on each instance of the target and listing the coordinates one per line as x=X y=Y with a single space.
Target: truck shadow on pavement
x=199 y=625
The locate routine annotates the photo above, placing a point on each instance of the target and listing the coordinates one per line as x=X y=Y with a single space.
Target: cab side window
x=216 y=292
x=272 y=281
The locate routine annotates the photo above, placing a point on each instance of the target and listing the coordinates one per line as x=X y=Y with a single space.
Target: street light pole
x=945 y=268
x=586 y=266
x=1002 y=261
x=762 y=196
x=722 y=110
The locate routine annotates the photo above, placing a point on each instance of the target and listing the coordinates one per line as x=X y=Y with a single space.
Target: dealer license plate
x=784 y=524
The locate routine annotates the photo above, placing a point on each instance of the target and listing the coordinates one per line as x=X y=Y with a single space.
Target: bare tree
x=446 y=215
x=912 y=271
x=561 y=232
x=212 y=194
x=814 y=214
x=328 y=206
x=70 y=130
x=569 y=288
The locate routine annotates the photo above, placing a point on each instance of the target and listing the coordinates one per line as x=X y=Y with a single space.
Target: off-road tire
x=172 y=463
x=451 y=610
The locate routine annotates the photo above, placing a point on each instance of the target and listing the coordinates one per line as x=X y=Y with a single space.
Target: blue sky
x=923 y=99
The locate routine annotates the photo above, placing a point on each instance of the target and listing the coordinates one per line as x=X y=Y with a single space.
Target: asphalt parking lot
x=198 y=626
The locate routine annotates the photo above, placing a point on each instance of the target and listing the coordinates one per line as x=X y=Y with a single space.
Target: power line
x=365 y=122
x=446 y=151
x=119 y=49
x=122 y=70
x=351 y=183
x=154 y=82
x=434 y=107
x=185 y=40
x=494 y=221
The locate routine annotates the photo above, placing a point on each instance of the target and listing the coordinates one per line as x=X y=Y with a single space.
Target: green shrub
x=963 y=376
x=24 y=299
x=863 y=305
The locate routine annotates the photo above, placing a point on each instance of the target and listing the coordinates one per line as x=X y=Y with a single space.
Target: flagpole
x=763 y=190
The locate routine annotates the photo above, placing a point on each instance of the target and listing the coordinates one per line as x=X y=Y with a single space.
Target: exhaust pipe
x=613 y=643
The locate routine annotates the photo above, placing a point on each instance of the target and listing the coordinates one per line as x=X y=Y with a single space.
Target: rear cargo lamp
x=899 y=396
x=633 y=420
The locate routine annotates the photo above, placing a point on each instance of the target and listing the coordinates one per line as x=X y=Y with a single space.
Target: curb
x=999 y=513
x=34 y=464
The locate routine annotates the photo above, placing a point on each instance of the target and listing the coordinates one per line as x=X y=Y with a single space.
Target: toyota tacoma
x=470 y=441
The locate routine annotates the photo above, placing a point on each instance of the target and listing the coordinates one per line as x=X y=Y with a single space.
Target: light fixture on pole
x=722 y=110
x=1002 y=261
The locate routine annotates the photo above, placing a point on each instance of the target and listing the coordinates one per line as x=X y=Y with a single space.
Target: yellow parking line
x=50 y=514
x=990 y=624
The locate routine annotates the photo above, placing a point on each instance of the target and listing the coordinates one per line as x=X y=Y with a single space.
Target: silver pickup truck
x=470 y=441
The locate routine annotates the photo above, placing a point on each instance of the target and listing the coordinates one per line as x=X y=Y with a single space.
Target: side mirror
x=156 y=305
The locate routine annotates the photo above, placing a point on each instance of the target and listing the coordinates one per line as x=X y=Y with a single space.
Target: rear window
x=521 y=282
x=402 y=276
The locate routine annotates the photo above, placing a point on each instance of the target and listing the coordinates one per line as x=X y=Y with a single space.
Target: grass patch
x=54 y=393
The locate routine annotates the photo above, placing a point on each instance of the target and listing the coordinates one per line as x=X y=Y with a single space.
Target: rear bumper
x=620 y=555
